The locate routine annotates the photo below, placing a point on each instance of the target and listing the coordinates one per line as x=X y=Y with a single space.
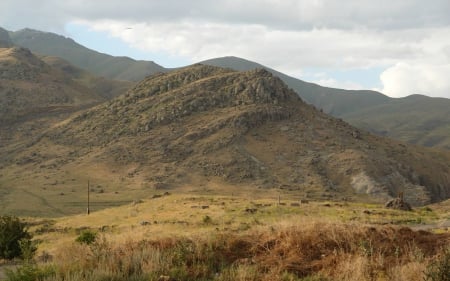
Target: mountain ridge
x=202 y=126
x=35 y=94
x=351 y=105
x=51 y=44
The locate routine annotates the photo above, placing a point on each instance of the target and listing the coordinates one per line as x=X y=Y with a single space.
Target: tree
x=13 y=232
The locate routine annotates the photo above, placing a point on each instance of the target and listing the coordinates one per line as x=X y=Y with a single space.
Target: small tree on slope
x=12 y=231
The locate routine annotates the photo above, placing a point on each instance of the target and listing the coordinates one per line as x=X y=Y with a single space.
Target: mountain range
x=211 y=126
x=117 y=68
x=203 y=127
x=415 y=119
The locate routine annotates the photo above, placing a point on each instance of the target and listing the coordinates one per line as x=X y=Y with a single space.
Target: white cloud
x=404 y=79
x=286 y=50
x=410 y=38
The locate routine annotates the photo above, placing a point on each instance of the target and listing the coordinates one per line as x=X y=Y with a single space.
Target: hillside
x=106 y=88
x=353 y=106
x=5 y=40
x=33 y=94
x=417 y=119
x=422 y=121
x=117 y=68
x=208 y=128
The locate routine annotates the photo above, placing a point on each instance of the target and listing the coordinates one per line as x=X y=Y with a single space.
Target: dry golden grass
x=283 y=251
x=244 y=238
x=190 y=214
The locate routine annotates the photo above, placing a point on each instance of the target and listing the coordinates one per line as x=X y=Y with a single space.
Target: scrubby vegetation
x=87 y=237
x=14 y=238
x=311 y=251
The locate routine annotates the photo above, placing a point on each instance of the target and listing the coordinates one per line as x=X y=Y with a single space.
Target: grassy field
x=193 y=236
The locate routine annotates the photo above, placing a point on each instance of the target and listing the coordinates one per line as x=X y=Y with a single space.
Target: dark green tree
x=12 y=231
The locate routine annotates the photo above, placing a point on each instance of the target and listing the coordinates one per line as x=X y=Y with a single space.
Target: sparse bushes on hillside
x=87 y=237
x=14 y=238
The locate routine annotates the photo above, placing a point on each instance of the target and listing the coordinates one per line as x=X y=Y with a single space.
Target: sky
x=399 y=47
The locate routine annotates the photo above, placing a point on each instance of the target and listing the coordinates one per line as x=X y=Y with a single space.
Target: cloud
x=286 y=49
x=405 y=37
x=404 y=79
x=288 y=14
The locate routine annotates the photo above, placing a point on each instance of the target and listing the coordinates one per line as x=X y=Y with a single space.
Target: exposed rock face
x=203 y=123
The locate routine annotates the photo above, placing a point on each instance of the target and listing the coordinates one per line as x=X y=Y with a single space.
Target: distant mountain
x=365 y=109
x=5 y=40
x=34 y=94
x=418 y=120
x=210 y=126
x=50 y=44
x=107 y=88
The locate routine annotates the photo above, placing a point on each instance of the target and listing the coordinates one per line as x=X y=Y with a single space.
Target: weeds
x=30 y=272
x=439 y=270
x=314 y=251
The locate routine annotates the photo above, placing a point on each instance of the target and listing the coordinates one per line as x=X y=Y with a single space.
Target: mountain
x=5 y=40
x=33 y=93
x=106 y=88
x=418 y=120
x=355 y=107
x=117 y=68
x=204 y=127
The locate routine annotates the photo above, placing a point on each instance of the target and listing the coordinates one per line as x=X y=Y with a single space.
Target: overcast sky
x=399 y=47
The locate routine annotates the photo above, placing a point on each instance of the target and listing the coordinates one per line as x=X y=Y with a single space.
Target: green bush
x=12 y=231
x=27 y=248
x=87 y=237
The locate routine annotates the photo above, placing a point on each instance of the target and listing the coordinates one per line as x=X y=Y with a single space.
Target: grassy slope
x=105 y=87
x=50 y=44
x=416 y=119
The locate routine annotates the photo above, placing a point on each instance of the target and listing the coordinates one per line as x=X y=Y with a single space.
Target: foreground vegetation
x=181 y=237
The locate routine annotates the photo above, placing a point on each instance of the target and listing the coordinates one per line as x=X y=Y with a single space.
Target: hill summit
x=210 y=126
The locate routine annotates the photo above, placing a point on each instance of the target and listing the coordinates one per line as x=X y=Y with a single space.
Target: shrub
x=29 y=272
x=27 y=248
x=207 y=220
x=12 y=231
x=440 y=269
x=87 y=237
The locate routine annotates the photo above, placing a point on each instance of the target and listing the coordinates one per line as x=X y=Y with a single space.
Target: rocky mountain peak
x=204 y=124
